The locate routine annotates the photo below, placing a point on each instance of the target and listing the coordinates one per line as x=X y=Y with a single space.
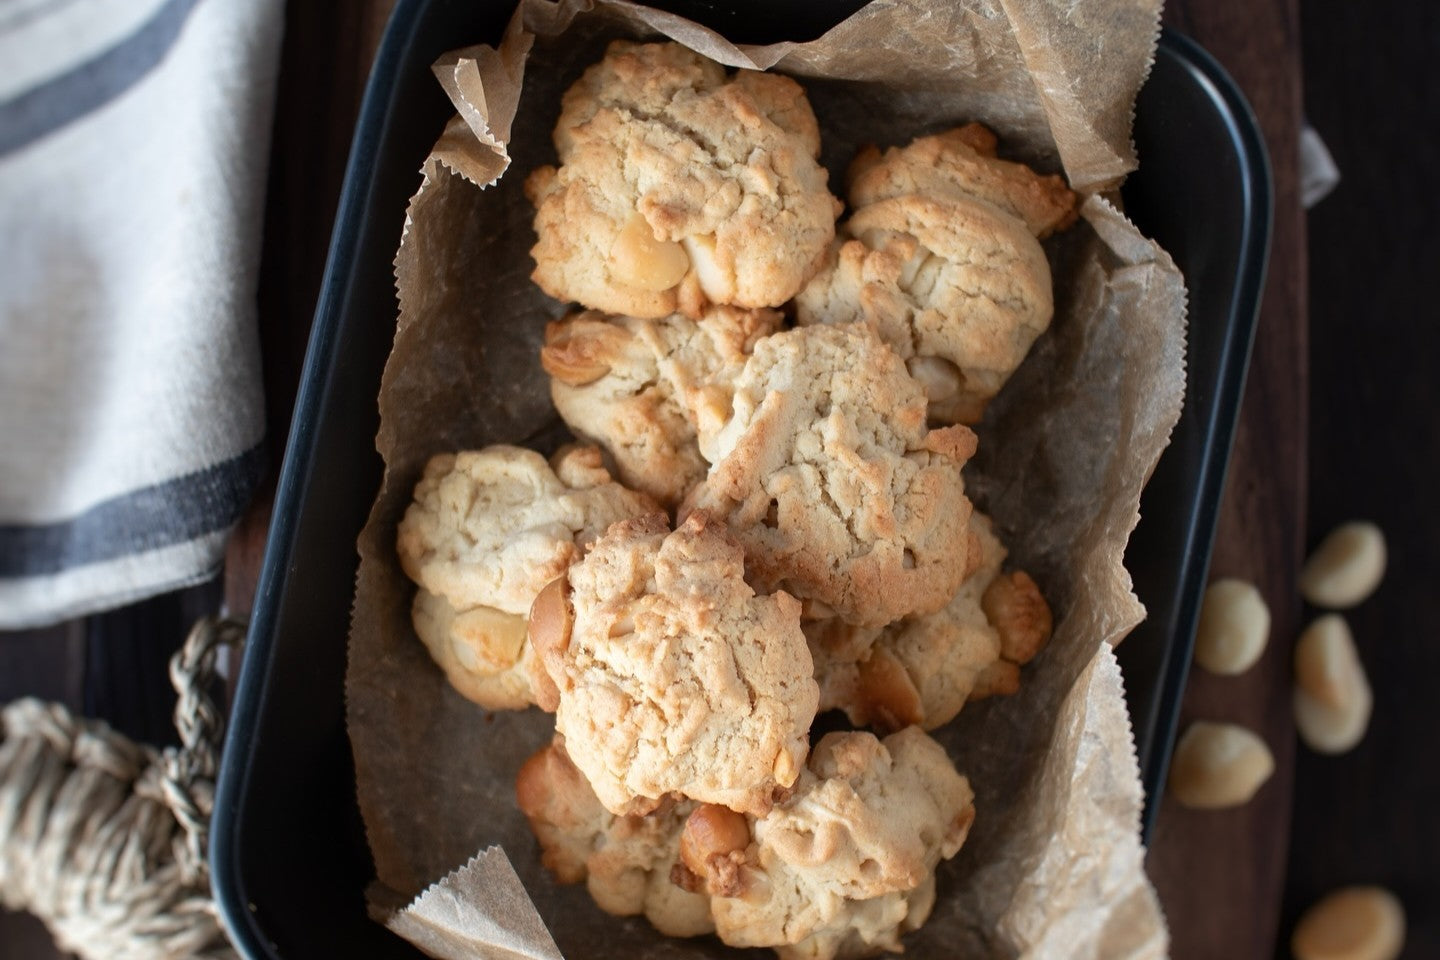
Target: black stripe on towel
x=53 y=104
x=163 y=515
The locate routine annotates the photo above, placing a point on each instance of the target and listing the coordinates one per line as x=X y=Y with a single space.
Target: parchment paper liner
x=1054 y=864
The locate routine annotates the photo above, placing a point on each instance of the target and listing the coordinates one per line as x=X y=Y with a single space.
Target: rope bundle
x=104 y=839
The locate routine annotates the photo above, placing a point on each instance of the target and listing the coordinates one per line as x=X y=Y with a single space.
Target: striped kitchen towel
x=134 y=140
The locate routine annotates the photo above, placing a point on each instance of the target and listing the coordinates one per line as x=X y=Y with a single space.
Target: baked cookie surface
x=829 y=477
x=923 y=669
x=680 y=186
x=673 y=676
x=487 y=530
x=957 y=287
x=845 y=866
x=640 y=387
x=625 y=862
x=963 y=162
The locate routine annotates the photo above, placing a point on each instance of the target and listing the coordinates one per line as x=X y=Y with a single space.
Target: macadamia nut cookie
x=626 y=862
x=956 y=286
x=486 y=532
x=923 y=669
x=672 y=674
x=828 y=476
x=846 y=865
x=639 y=387
x=963 y=162
x=679 y=186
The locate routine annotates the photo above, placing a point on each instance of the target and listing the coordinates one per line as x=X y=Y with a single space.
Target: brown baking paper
x=1053 y=867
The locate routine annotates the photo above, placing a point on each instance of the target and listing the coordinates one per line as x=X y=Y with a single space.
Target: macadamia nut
x=1234 y=627
x=1219 y=765
x=1346 y=567
x=1332 y=695
x=1356 y=923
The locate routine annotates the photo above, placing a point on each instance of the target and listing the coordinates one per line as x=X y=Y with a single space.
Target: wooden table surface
x=1222 y=877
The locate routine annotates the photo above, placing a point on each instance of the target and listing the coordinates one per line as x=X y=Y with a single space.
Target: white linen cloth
x=134 y=141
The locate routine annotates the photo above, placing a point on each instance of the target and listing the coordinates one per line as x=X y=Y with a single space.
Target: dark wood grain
x=1369 y=816
x=1220 y=875
x=324 y=62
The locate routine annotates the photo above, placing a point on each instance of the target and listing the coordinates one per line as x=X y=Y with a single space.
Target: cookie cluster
x=762 y=520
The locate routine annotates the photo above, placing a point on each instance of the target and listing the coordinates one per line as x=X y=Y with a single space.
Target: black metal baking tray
x=288 y=852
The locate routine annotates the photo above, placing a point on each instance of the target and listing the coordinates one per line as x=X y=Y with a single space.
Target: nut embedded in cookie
x=957 y=287
x=922 y=670
x=676 y=677
x=626 y=862
x=486 y=531
x=846 y=864
x=828 y=476
x=679 y=187
x=640 y=387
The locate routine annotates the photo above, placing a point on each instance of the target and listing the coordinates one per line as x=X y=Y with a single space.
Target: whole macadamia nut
x=1355 y=923
x=1234 y=627
x=1332 y=695
x=1219 y=765
x=1346 y=567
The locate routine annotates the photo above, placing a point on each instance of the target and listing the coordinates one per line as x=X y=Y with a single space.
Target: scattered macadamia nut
x=1355 y=923
x=1234 y=627
x=1332 y=695
x=1219 y=765
x=1346 y=567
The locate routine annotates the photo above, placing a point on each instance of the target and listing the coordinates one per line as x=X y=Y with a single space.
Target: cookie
x=625 y=862
x=828 y=476
x=957 y=287
x=673 y=675
x=679 y=186
x=922 y=670
x=639 y=387
x=486 y=532
x=963 y=162
x=845 y=865
x=482 y=650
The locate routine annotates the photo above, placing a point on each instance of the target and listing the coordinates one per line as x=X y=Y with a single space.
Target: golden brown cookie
x=486 y=532
x=673 y=675
x=845 y=865
x=639 y=387
x=680 y=186
x=963 y=162
x=957 y=287
x=626 y=862
x=923 y=669
x=828 y=476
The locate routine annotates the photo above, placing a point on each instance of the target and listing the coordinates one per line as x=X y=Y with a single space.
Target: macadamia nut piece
x=1219 y=765
x=1355 y=923
x=1346 y=567
x=1234 y=627
x=1332 y=695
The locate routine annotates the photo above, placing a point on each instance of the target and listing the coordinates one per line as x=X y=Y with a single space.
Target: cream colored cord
x=104 y=839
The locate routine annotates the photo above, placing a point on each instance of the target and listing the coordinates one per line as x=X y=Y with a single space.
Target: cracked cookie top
x=923 y=669
x=487 y=530
x=962 y=162
x=846 y=864
x=626 y=862
x=828 y=476
x=640 y=387
x=679 y=186
x=673 y=675
x=957 y=287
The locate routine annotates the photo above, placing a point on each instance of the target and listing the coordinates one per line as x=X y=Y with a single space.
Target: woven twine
x=104 y=839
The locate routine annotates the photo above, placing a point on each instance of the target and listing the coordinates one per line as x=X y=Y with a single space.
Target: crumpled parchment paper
x=1053 y=867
